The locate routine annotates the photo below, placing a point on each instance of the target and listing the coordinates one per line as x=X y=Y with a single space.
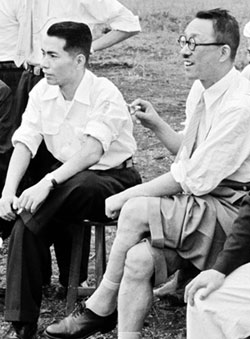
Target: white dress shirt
x=97 y=109
x=90 y=12
x=11 y=12
x=223 y=145
x=246 y=72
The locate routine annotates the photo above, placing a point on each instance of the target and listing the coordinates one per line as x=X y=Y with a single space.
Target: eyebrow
x=49 y=52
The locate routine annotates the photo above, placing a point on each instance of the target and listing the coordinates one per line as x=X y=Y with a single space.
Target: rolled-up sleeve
x=29 y=132
x=113 y=13
x=219 y=156
x=108 y=116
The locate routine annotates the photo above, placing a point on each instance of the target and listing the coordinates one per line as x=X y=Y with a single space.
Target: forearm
x=170 y=139
x=18 y=165
x=87 y=157
x=110 y=39
x=149 y=118
x=158 y=187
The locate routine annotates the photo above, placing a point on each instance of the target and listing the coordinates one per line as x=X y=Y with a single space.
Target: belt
x=36 y=70
x=236 y=185
x=125 y=164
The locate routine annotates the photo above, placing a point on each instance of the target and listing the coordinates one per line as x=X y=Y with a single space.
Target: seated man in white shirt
x=173 y=290
x=86 y=126
x=191 y=208
x=20 y=41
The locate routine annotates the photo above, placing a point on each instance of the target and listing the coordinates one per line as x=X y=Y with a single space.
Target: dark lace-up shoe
x=20 y=330
x=81 y=324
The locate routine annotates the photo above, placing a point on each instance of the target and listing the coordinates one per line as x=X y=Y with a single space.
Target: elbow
x=130 y=34
x=91 y=160
x=125 y=35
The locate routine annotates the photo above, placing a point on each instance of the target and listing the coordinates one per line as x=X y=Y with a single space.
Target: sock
x=103 y=300
x=110 y=284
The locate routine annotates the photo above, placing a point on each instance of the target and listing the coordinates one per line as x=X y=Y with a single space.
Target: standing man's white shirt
x=11 y=12
x=47 y=12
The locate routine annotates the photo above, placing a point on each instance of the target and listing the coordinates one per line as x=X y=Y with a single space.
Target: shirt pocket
x=50 y=128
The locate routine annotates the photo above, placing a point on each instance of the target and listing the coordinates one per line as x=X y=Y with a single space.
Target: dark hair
x=77 y=36
x=225 y=26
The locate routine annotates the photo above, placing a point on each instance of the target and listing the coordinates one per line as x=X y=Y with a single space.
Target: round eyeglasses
x=183 y=41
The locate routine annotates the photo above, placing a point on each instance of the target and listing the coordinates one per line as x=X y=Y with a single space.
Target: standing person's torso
x=11 y=12
x=47 y=12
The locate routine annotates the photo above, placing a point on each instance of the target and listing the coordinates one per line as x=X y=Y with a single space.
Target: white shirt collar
x=219 y=88
x=82 y=93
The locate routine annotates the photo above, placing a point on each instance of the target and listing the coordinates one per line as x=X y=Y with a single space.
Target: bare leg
x=131 y=228
x=135 y=295
x=132 y=225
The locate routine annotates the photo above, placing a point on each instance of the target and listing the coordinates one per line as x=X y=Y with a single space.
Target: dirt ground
x=147 y=66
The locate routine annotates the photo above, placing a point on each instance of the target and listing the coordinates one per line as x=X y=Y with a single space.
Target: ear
x=225 y=53
x=80 y=60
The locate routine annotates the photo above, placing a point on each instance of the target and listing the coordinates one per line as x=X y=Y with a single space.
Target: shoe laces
x=79 y=310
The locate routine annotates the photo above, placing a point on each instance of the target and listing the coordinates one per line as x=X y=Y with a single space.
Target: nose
x=185 y=50
x=44 y=62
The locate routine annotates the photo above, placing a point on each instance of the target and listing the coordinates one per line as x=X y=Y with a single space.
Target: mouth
x=188 y=63
x=48 y=76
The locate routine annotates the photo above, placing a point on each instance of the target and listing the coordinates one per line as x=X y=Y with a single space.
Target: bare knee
x=133 y=218
x=139 y=263
x=134 y=211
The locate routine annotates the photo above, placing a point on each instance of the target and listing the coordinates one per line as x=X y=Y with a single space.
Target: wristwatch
x=49 y=177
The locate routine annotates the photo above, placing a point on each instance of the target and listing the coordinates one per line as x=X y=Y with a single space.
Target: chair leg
x=76 y=254
x=100 y=248
x=75 y=267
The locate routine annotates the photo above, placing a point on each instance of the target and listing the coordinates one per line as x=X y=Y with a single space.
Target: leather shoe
x=81 y=324
x=20 y=330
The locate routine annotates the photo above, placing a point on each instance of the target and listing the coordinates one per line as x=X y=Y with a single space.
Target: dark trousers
x=81 y=197
x=20 y=83
x=10 y=75
x=6 y=130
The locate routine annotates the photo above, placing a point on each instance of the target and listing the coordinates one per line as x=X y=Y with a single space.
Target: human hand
x=145 y=113
x=113 y=205
x=31 y=198
x=208 y=281
x=8 y=206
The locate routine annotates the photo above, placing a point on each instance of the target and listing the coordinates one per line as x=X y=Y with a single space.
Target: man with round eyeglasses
x=185 y=214
x=173 y=290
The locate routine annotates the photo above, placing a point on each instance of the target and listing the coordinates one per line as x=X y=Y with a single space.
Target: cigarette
x=132 y=109
x=19 y=211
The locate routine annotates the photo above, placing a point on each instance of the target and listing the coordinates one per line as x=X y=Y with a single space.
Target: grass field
x=149 y=66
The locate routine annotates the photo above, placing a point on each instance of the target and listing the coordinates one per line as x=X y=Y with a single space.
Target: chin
x=191 y=76
x=51 y=82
